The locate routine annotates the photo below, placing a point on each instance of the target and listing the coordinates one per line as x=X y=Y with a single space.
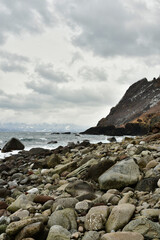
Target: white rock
x=33 y=191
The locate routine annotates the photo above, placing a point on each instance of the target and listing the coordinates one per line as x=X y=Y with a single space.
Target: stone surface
x=65 y=218
x=96 y=218
x=119 y=217
x=78 y=188
x=15 y=227
x=91 y=235
x=122 y=174
x=145 y=227
x=13 y=144
x=122 y=236
x=147 y=184
x=57 y=232
x=23 y=201
x=30 y=230
x=64 y=203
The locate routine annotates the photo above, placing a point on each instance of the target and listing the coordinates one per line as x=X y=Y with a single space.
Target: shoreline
x=82 y=181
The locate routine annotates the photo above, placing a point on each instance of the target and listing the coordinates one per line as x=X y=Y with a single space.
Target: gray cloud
x=111 y=28
x=13 y=57
x=19 y=16
x=47 y=71
x=65 y=95
x=12 y=67
x=11 y=62
x=76 y=57
x=93 y=74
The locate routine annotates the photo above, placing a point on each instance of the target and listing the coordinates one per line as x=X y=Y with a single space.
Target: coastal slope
x=140 y=98
x=135 y=114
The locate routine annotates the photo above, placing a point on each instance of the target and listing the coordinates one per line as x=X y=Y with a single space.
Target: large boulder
x=59 y=233
x=147 y=228
x=119 y=217
x=65 y=218
x=13 y=144
x=122 y=174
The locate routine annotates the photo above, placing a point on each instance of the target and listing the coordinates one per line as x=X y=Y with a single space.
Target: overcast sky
x=70 y=61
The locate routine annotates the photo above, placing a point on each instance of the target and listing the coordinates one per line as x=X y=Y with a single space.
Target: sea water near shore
x=42 y=139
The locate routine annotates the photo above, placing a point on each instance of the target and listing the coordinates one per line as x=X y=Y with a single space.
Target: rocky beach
x=103 y=191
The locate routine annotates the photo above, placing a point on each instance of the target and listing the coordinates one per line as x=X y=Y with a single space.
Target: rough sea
x=43 y=139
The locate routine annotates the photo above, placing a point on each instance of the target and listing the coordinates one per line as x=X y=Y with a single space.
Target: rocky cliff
x=140 y=98
x=136 y=113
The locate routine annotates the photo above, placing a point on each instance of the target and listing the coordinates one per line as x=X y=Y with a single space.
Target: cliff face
x=140 y=100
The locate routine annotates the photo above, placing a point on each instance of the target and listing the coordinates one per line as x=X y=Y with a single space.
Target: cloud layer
x=70 y=61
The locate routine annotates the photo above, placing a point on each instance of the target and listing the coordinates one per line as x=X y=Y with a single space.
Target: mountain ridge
x=135 y=114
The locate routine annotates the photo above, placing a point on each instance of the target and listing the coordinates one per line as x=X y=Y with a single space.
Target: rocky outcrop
x=13 y=144
x=137 y=113
x=138 y=99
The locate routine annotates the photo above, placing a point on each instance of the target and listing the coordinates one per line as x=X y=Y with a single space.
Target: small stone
x=33 y=191
x=3 y=205
x=81 y=229
x=42 y=199
x=82 y=206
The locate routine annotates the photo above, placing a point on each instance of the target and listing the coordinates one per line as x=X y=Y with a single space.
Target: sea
x=46 y=140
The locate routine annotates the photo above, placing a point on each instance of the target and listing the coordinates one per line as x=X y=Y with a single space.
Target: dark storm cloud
x=110 y=28
x=48 y=72
x=93 y=74
x=21 y=16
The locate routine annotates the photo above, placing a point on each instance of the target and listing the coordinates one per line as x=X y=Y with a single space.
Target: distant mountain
x=44 y=127
x=139 y=105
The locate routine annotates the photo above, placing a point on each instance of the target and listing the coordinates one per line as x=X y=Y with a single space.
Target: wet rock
x=65 y=218
x=59 y=233
x=147 y=184
x=13 y=144
x=96 y=218
x=119 y=217
x=122 y=174
x=144 y=226
x=122 y=236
